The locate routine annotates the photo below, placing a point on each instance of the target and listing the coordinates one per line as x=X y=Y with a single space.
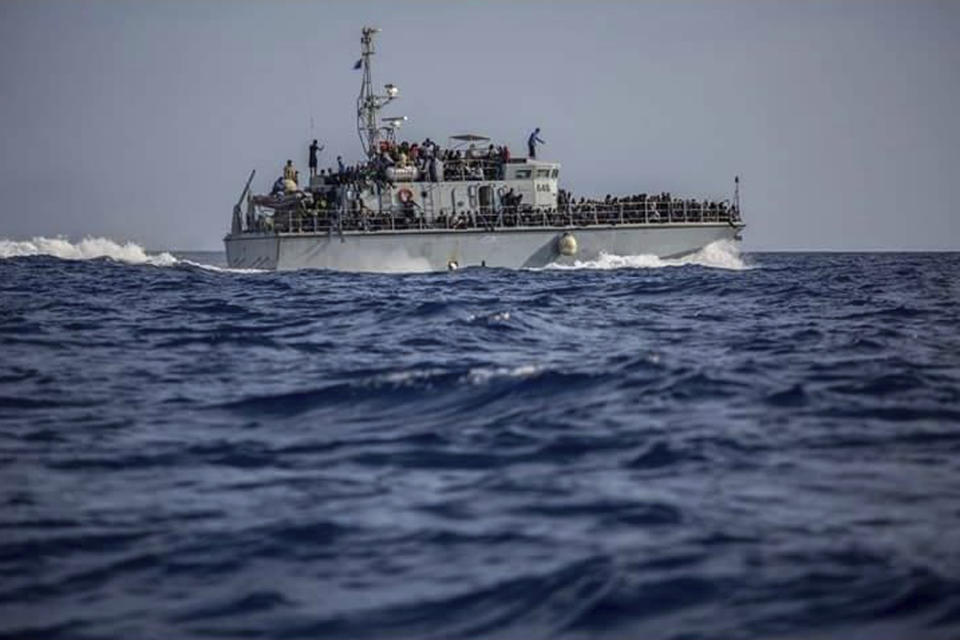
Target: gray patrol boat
x=422 y=208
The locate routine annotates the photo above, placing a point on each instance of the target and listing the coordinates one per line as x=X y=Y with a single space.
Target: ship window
x=543 y=173
x=523 y=173
x=555 y=173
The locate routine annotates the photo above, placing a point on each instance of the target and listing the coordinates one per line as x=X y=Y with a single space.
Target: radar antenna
x=369 y=104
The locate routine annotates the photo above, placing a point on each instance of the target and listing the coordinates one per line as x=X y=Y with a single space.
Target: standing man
x=314 y=150
x=532 y=142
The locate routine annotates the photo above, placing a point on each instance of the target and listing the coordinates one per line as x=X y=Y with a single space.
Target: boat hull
x=443 y=249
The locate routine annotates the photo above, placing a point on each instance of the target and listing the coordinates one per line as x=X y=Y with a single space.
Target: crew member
x=314 y=150
x=289 y=171
x=532 y=142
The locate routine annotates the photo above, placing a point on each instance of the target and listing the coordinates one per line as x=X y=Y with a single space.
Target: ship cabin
x=535 y=180
x=457 y=182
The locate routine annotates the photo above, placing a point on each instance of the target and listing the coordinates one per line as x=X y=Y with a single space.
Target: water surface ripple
x=664 y=452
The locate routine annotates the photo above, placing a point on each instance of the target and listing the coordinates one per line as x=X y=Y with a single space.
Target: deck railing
x=649 y=212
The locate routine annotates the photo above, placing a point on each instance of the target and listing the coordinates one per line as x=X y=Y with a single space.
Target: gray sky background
x=140 y=121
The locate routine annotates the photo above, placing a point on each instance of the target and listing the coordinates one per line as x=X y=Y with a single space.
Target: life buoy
x=405 y=196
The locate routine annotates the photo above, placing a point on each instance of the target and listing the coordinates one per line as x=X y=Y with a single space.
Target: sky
x=140 y=121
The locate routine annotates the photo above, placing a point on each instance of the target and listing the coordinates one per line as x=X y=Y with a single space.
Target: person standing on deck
x=532 y=142
x=314 y=150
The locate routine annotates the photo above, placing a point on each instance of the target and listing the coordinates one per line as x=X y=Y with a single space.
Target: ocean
x=726 y=446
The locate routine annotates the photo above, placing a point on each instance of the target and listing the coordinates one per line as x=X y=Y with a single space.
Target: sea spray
x=721 y=254
x=99 y=248
x=89 y=248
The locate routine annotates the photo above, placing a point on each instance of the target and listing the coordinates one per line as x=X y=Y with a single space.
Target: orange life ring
x=405 y=196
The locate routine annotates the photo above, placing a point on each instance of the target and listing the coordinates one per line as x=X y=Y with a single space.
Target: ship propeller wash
x=420 y=207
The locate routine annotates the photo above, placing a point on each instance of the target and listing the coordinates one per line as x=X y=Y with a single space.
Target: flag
x=358 y=63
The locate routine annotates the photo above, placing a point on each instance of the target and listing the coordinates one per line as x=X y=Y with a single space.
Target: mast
x=368 y=103
x=736 y=194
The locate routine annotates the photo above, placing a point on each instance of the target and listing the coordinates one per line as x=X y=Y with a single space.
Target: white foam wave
x=474 y=376
x=92 y=248
x=499 y=317
x=481 y=375
x=213 y=267
x=722 y=254
x=405 y=378
x=87 y=249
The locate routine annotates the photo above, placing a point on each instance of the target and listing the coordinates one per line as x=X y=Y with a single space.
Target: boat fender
x=452 y=265
x=405 y=195
x=567 y=245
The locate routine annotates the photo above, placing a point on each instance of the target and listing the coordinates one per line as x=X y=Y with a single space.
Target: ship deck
x=402 y=221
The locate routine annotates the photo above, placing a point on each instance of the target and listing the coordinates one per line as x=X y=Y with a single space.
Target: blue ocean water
x=764 y=446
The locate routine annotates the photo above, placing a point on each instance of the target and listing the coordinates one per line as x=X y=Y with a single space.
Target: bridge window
x=522 y=173
x=555 y=173
x=543 y=173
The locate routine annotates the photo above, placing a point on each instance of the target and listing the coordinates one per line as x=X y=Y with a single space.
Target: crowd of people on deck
x=422 y=162
x=426 y=161
x=642 y=207
x=635 y=209
x=407 y=161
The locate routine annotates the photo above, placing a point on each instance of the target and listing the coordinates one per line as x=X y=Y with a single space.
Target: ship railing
x=601 y=214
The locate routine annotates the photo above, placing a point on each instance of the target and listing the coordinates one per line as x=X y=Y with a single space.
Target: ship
x=420 y=207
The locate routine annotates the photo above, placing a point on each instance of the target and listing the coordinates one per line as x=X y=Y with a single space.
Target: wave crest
x=94 y=248
x=721 y=254
x=89 y=248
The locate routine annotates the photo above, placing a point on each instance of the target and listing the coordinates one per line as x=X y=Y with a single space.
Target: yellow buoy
x=567 y=245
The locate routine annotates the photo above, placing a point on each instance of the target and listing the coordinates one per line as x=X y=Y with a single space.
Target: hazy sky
x=140 y=120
